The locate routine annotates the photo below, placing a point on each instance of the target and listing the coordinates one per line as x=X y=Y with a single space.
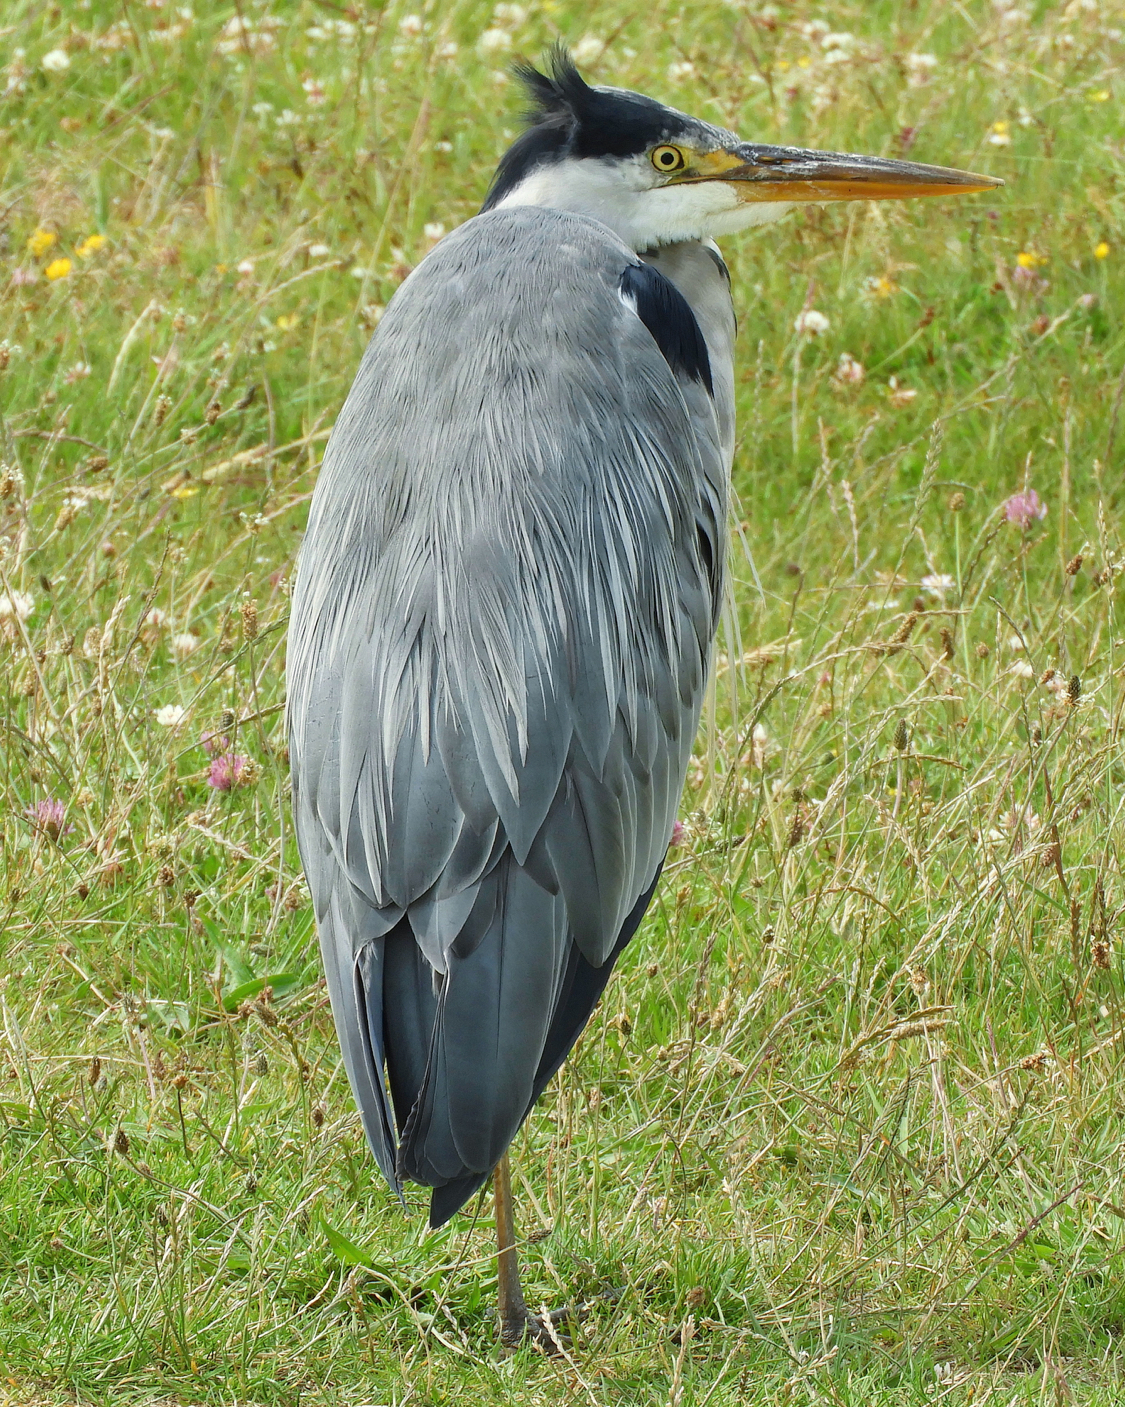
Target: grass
x=847 y=1127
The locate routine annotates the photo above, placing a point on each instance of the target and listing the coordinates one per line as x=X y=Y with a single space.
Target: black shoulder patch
x=668 y=316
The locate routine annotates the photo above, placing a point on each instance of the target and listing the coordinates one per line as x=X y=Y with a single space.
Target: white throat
x=621 y=195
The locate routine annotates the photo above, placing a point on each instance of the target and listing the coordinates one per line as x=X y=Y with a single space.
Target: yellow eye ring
x=668 y=159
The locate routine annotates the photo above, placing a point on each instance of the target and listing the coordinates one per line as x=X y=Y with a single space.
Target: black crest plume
x=568 y=118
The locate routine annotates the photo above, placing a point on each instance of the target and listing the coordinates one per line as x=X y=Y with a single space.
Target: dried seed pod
x=160 y=409
x=249 y=610
x=1074 y=566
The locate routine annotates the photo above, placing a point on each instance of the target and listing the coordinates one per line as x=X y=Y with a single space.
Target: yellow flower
x=40 y=242
x=1028 y=259
x=1101 y=250
x=90 y=245
x=288 y=321
x=1101 y=96
x=58 y=268
x=1000 y=128
x=804 y=61
x=783 y=65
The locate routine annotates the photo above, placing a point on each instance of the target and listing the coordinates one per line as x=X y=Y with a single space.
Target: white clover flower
x=849 y=371
x=262 y=109
x=314 y=92
x=55 y=61
x=443 y=146
x=245 y=266
x=287 y=118
x=185 y=643
x=434 y=230
x=678 y=72
x=449 y=50
x=17 y=604
x=1022 y=670
x=494 y=42
x=811 y=322
x=319 y=251
x=170 y=716
x=410 y=26
x=588 y=49
x=511 y=15
x=937 y=584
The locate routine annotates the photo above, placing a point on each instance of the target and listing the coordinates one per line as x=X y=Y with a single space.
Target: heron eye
x=668 y=158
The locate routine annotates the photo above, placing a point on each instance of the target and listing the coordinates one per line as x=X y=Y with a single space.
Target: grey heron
x=505 y=605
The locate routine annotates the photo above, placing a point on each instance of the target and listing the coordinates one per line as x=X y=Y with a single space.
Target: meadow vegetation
x=847 y=1127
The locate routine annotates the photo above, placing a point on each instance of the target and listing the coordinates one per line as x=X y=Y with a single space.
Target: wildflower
x=511 y=15
x=410 y=26
x=937 y=584
x=17 y=604
x=677 y=835
x=78 y=372
x=898 y=394
x=881 y=287
x=49 y=817
x=228 y=770
x=588 y=49
x=494 y=42
x=90 y=245
x=1022 y=670
x=314 y=92
x=811 y=322
x=433 y=231
x=58 y=268
x=40 y=242
x=11 y=481
x=1024 y=507
x=262 y=110
x=1029 y=259
x=184 y=644
x=288 y=321
x=849 y=371
x=919 y=67
x=319 y=251
x=1099 y=95
x=245 y=267
x=170 y=716
x=214 y=743
x=1101 y=250
x=55 y=61
x=999 y=136
x=22 y=277
x=678 y=72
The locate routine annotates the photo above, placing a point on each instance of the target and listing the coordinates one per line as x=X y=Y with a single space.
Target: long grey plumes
x=500 y=633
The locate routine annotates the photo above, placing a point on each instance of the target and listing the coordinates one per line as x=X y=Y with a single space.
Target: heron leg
x=516 y=1320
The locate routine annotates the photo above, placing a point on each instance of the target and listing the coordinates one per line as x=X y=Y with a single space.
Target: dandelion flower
x=55 y=61
x=1029 y=259
x=1101 y=250
x=90 y=245
x=170 y=716
x=1024 y=507
x=811 y=322
x=58 y=268
x=40 y=242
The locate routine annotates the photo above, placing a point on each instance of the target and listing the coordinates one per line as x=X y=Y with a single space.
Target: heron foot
x=548 y=1331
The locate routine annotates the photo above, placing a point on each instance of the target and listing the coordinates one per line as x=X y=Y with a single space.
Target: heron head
x=658 y=176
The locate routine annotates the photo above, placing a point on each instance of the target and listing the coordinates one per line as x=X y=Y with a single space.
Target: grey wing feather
x=500 y=635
